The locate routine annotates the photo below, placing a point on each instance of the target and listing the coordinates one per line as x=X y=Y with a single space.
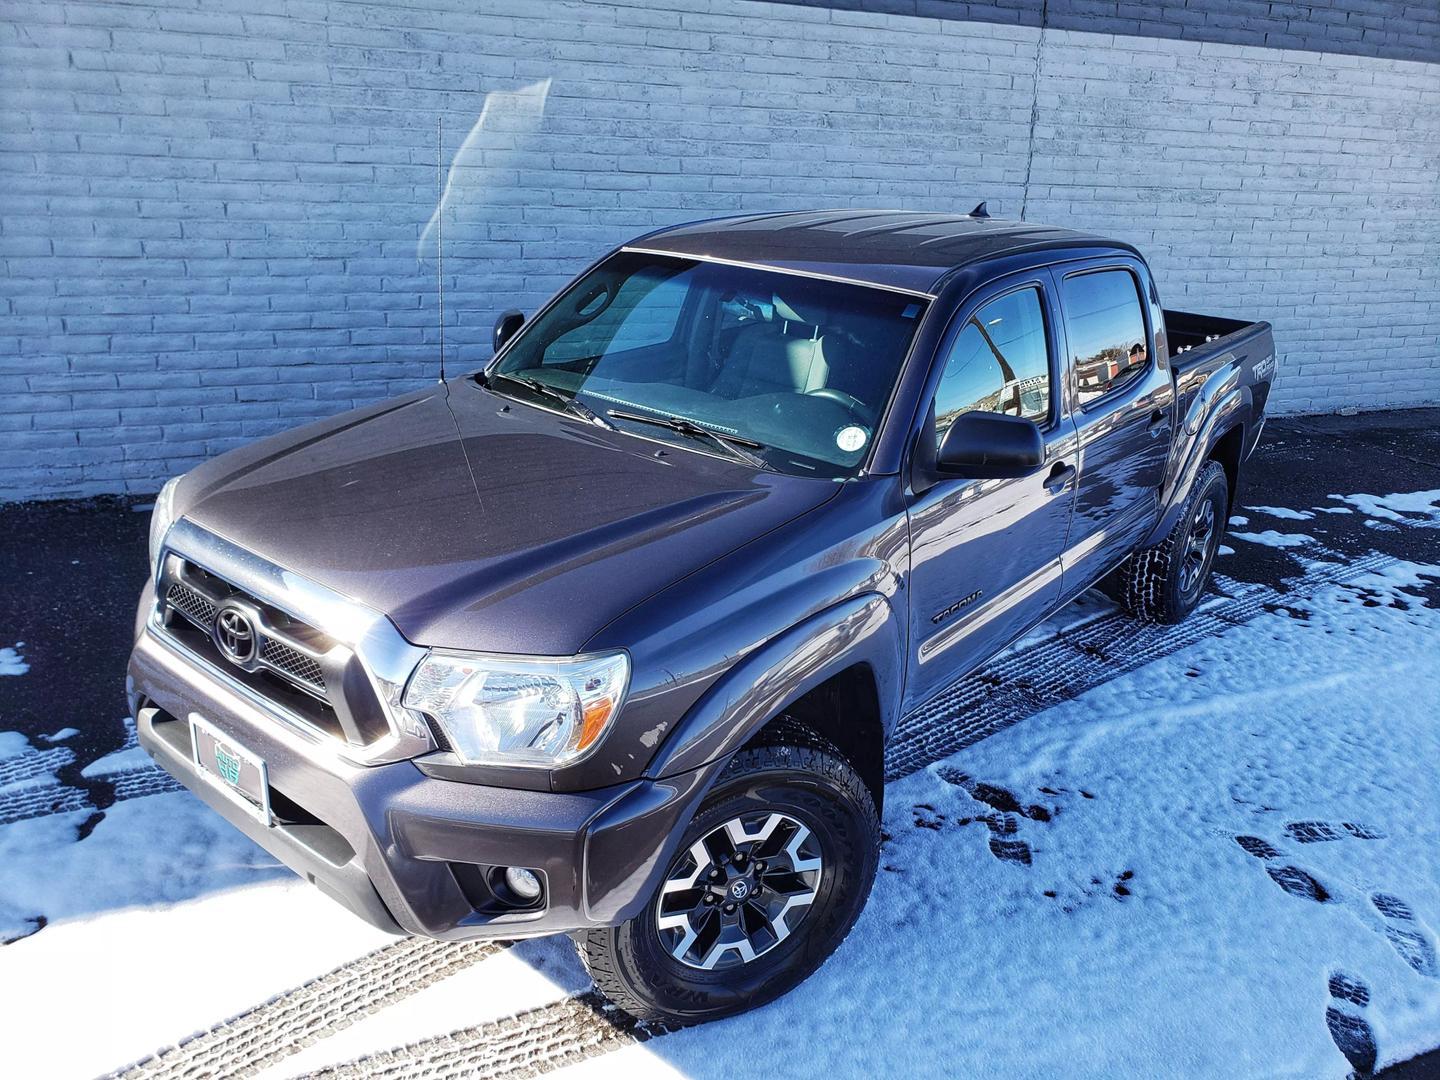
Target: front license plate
x=234 y=771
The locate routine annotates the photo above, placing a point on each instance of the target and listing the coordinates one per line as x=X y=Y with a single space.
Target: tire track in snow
x=285 y=1025
x=21 y=800
x=529 y=1043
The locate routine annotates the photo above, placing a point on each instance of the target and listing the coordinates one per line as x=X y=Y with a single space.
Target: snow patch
x=11 y=662
x=12 y=744
x=1271 y=538
x=1283 y=512
x=1418 y=508
x=118 y=761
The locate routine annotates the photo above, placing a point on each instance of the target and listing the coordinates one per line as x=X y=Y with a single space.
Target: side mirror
x=983 y=445
x=506 y=327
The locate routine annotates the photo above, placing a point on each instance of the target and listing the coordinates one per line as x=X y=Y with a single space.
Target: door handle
x=1157 y=421
x=1060 y=478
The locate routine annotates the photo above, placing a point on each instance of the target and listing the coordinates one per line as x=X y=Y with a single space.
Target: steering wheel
x=849 y=401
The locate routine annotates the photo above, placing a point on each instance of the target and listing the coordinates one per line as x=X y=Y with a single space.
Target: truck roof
x=894 y=249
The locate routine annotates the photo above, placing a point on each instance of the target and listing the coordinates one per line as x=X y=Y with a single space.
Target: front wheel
x=769 y=878
x=1164 y=583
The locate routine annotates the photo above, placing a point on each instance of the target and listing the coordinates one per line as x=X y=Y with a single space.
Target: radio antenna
x=440 y=231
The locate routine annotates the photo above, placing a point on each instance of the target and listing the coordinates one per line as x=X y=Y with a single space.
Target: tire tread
x=1143 y=583
x=598 y=947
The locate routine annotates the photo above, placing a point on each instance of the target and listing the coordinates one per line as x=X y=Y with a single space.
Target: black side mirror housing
x=983 y=445
x=506 y=327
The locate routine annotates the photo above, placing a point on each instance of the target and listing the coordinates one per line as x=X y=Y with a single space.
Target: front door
x=985 y=554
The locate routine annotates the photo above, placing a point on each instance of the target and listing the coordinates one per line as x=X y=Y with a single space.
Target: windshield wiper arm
x=734 y=445
x=571 y=405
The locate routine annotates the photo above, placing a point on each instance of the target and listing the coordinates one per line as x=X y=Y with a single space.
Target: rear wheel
x=769 y=878
x=1164 y=583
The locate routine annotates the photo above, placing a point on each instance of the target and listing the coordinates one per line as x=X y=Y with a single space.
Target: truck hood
x=476 y=522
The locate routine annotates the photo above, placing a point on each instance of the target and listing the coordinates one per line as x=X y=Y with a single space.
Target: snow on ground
x=1131 y=884
x=1283 y=512
x=11 y=662
x=1271 y=538
x=534 y=973
x=1418 y=508
x=119 y=761
x=167 y=921
x=12 y=744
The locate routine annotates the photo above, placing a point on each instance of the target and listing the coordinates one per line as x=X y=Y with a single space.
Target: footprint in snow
x=1004 y=822
x=1315 y=832
x=1407 y=935
x=1297 y=882
x=1350 y=1031
x=1292 y=879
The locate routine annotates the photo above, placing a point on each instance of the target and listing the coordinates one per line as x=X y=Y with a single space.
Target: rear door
x=1123 y=398
x=985 y=554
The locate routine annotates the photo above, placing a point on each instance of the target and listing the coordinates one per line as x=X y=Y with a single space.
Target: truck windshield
x=793 y=370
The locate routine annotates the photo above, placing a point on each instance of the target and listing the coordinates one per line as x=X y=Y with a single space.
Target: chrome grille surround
x=353 y=630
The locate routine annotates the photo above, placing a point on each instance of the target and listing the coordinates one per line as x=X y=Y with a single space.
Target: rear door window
x=1106 y=328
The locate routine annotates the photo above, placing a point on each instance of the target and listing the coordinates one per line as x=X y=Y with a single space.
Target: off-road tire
x=1150 y=584
x=633 y=968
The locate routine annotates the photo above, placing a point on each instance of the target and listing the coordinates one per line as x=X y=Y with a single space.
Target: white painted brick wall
x=209 y=218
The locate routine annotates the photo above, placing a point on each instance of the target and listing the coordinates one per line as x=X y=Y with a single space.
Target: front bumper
x=406 y=851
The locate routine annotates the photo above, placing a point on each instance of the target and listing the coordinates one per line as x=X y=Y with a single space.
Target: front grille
x=192 y=605
x=294 y=663
x=294 y=666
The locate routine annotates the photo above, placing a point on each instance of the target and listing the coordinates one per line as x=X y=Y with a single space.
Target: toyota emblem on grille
x=235 y=635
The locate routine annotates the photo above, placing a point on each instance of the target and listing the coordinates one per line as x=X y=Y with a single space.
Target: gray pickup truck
x=608 y=637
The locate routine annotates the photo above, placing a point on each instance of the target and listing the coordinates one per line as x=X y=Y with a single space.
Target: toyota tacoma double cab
x=608 y=637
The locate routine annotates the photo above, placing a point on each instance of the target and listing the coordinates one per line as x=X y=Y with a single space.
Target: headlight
x=162 y=517
x=517 y=711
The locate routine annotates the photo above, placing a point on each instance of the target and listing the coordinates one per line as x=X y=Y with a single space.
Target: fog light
x=523 y=883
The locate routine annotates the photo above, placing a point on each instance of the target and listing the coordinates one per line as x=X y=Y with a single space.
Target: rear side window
x=999 y=363
x=1106 y=331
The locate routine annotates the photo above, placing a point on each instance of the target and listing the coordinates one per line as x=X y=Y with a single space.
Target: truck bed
x=1201 y=346
x=1186 y=329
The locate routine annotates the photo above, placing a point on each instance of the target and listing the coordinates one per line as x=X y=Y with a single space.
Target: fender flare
x=1221 y=405
x=861 y=630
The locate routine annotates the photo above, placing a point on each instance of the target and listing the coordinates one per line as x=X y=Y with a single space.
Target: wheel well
x=844 y=710
x=1227 y=452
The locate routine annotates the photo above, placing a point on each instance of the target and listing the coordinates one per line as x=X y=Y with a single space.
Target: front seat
x=785 y=355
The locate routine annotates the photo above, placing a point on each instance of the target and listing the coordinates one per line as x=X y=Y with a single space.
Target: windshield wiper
x=572 y=405
x=734 y=445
